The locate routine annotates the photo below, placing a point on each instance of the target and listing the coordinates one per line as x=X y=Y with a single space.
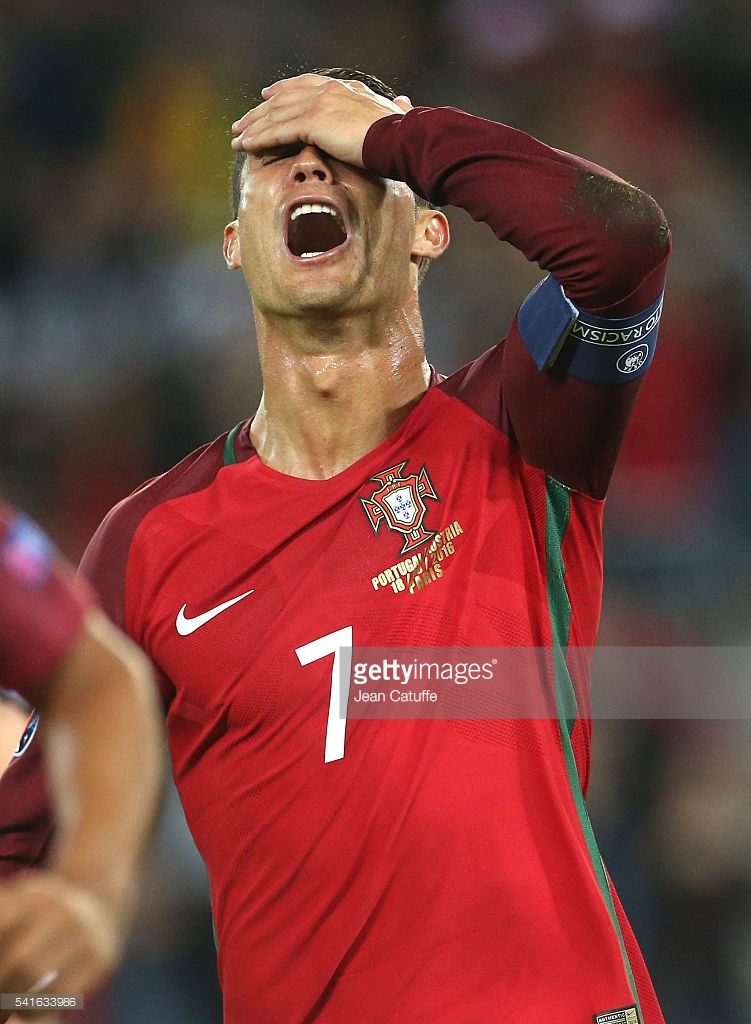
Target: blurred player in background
x=401 y=871
x=62 y=927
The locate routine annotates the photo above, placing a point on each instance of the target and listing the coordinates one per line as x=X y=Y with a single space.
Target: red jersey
x=41 y=612
x=394 y=872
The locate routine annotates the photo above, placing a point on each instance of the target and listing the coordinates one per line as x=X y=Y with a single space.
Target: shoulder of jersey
x=191 y=474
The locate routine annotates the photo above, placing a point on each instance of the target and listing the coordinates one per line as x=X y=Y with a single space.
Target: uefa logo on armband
x=634 y=359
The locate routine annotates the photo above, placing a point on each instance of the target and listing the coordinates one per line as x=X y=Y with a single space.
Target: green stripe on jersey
x=229 y=446
x=559 y=607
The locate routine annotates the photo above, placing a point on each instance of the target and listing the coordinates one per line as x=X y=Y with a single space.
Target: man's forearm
x=64 y=927
x=103 y=736
x=605 y=241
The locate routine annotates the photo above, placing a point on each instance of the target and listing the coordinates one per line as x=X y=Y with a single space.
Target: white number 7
x=340 y=645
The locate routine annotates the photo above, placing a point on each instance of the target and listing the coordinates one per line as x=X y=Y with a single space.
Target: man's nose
x=310 y=164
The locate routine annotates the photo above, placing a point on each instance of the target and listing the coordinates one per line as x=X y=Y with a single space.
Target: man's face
x=297 y=201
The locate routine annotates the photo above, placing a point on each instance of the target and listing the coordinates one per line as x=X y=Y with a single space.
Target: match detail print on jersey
x=399 y=501
x=626 y=1015
x=185 y=626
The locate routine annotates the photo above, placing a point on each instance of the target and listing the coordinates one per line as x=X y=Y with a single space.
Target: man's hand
x=329 y=113
x=48 y=925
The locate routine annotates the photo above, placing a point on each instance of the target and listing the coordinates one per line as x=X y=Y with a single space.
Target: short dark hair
x=352 y=75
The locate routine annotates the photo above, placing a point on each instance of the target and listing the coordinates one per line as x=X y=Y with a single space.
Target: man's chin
x=324 y=301
x=324 y=291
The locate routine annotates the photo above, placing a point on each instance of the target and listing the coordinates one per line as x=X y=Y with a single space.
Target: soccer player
x=390 y=872
x=62 y=928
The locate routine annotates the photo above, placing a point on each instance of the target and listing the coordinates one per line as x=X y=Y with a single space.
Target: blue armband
x=593 y=348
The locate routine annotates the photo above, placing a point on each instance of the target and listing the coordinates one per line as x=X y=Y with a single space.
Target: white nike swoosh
x=186 y=626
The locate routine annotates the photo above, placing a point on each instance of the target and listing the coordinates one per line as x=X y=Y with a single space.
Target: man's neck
x=335 y=389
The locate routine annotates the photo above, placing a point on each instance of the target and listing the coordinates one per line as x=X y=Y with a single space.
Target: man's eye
x=282 y=153
x=279 y=154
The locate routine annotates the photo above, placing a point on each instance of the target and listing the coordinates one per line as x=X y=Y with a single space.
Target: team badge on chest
x=399 y=501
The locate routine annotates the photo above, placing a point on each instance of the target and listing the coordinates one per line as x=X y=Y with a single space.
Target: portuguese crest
x=399 y=501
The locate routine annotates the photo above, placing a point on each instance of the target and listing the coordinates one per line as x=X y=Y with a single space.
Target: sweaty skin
x=340 y=337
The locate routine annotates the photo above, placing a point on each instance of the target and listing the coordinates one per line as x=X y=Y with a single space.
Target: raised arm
x=568 y=374
x=605 y=241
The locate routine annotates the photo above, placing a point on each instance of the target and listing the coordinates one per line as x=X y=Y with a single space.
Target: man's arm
x=95 y=693
x=567 y=376
x=605 y=241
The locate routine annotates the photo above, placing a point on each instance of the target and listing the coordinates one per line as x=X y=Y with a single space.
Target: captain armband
x=597 y=349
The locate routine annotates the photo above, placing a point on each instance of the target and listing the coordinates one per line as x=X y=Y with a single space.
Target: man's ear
x=231 y=246
x=432 y=234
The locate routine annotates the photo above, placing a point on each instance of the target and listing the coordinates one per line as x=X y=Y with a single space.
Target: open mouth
x=314 y=229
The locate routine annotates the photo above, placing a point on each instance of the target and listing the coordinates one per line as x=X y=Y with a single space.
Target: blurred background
x=124 y=344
